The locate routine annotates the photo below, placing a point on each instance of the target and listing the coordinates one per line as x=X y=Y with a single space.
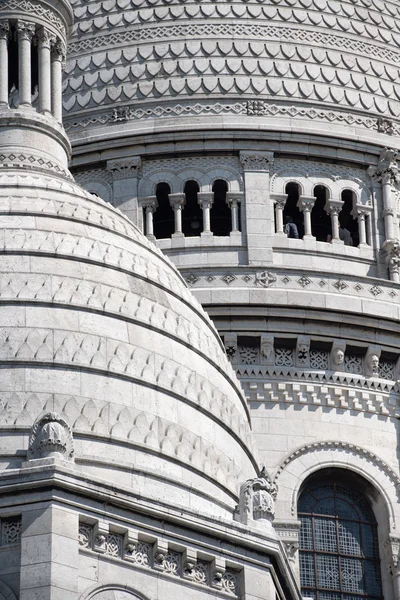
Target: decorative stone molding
x=230 y=341
x=257 y=161
x=124 y=168
x=387 y=169
x=338 y=353
x=265 y=279
x=140 y=553
x=267 y=349
x=256 y=499
x=392 y=551
x=51 y=437
x=303 y=351
x=391 y=252
x=30 y=162
x=25 y=30
x=4 y=30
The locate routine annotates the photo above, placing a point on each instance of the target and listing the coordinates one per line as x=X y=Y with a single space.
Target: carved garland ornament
x=51 y=437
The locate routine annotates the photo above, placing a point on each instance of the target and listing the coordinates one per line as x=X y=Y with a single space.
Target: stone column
x=26 y=31
x=44 y=50
x=360 y=213
x=149 y=205
x=387 y=173
x=125 y=187
x=305 y=204
x=233 y=200
x=279 y=201
x=259 y=216
x=333 y=208
x=205 y=200
x=57 y=63
x=177 y=201
x=4 y=37
x=49 y=567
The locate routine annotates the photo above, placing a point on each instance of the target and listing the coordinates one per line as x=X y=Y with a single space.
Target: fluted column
x=279 y=201
x=57 y=62
x=4 y=37
x=26 y=31
x=233 y=200
x=177 y=201
x=333 y=208
x=205 y=200
x=305 y=204
x=45 y=75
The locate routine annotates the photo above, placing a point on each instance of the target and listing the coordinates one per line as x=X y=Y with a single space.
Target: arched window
x=339 y=555
x=163 y=218
x=192 y=221
x=320 y=221
x=346 y=219
x=291 y=210
x=221 y=220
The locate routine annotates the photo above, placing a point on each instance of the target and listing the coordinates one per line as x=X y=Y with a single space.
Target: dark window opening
x=34 y=68
x=163 y=218
x=192 y=221
x=13 y=66
x=346 y=219
x=221 y=219
x=320 y=221
x=339 y=553
x=291 y=210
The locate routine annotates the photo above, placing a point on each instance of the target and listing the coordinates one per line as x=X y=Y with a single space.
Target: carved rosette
x=51 y=437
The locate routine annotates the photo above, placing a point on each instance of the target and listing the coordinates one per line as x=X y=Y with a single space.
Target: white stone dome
x=135 y=60
x=99 y=327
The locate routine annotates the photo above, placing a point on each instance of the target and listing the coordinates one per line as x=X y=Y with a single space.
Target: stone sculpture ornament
x=257 y=499
x=51 y=437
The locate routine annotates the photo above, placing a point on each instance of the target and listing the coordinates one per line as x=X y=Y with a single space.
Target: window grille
x=339 y=556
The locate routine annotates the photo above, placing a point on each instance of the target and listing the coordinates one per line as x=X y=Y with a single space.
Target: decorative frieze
x=157 y=555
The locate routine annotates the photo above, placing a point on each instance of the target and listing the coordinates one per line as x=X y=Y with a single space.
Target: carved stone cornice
x=257 y=161
x=124 y=168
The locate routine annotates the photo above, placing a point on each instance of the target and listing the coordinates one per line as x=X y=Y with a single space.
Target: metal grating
x=339 y=556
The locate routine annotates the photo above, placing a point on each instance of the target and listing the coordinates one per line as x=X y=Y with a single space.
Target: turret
x=32 y=55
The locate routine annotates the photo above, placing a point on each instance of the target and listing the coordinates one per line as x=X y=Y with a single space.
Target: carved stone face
x=302 y=351
x=338 y=356
x=373 y=362
x=267 y=350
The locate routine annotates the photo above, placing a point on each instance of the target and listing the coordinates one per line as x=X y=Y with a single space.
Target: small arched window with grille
x=339 y=554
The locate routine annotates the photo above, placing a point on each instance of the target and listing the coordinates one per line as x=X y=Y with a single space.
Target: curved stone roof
x=309 y=59
x=98 y=326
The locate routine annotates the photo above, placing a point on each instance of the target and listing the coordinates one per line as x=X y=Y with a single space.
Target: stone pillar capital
x=279 y=200
x=46 y=38
x=306 y=203
x=333 y=207
x=25 y=30
x=4 y=30
x=177 y=201
x=205 y=199
x=256 y=160
x=150 y=203
x=361 y=211
x=233 y=198
x=125 y=168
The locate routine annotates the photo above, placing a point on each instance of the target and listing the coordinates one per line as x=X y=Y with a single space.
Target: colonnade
x=333 y=207
x=51 y=57
x=177 y=203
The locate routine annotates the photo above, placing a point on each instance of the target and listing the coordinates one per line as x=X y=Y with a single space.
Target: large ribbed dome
x=98 y=326
x=307 y=60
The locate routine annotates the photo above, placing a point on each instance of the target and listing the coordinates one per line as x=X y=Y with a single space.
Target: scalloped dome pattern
x=337 y=54
x=98 y=325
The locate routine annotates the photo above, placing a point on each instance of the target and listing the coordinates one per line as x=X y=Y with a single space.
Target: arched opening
x=339 y=552
x=13 y=68
x=320 y=221
x=163 y=218
x=221 y=220
x=291 y=211
x=192 y=218
x=346 y=219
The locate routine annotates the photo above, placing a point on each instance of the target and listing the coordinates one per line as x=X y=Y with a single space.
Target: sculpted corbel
x=257 y=499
